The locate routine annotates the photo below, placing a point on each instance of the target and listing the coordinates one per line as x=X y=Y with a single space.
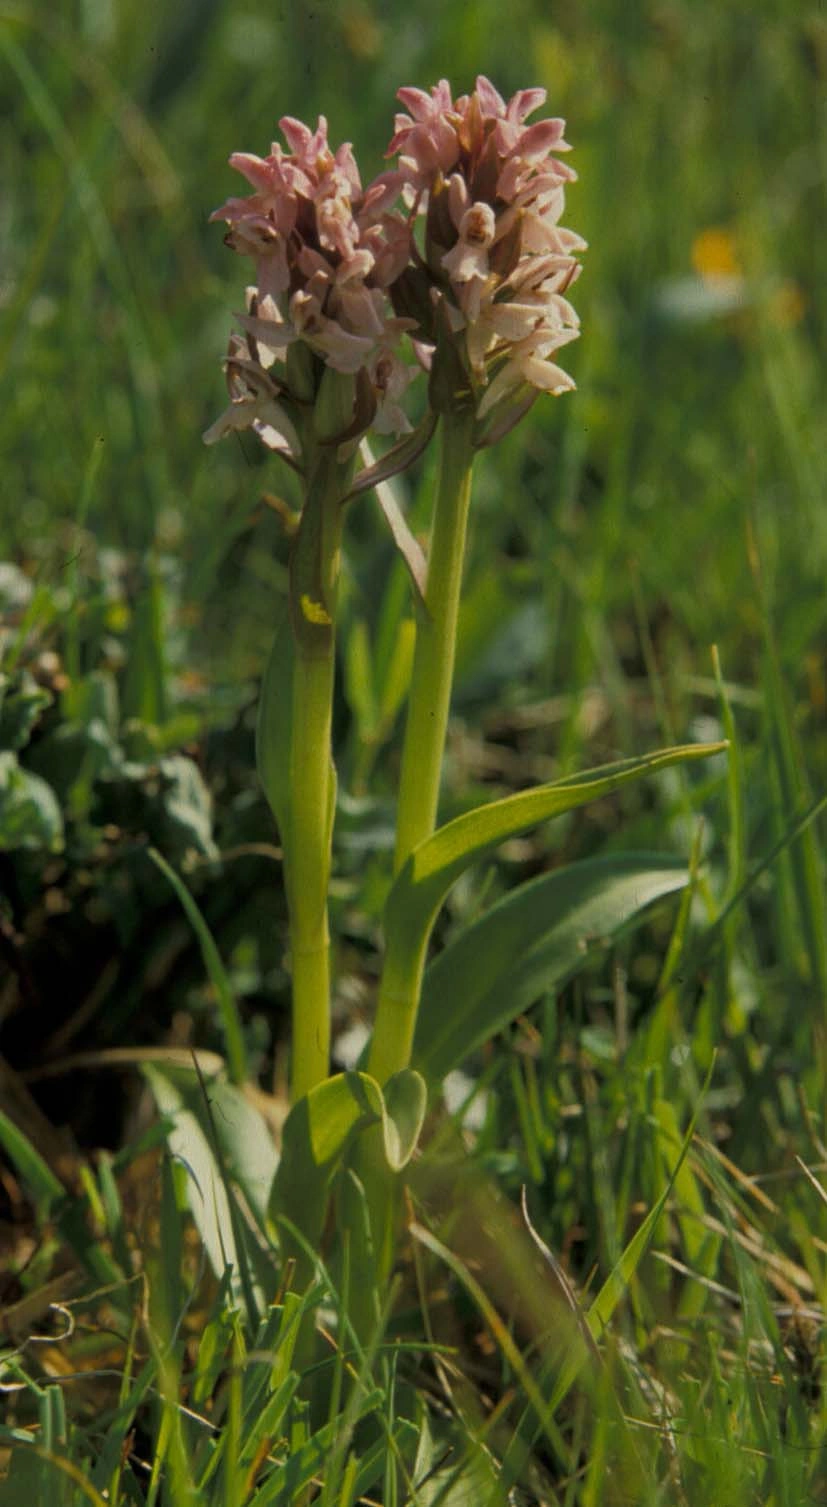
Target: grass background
x=675 y=502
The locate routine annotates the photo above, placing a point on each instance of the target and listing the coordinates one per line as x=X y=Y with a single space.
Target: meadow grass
x=674 y=503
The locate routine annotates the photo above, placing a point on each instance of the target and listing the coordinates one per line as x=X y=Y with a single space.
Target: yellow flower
x=714 y=253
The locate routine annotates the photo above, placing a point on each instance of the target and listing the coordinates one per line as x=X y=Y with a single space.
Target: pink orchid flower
x=324 y=249
x=497 y=243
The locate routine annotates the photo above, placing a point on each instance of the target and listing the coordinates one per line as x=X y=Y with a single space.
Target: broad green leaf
x=236 y=1138
x=318 y=1130
x=433 y=867
x=72 y=756
x=406 y=1099
x=239 y=1128
x=529 y=942
x=20 y=707
x=186 y=806
x=468 y=1484
x=206 y=1190
x=29 y=811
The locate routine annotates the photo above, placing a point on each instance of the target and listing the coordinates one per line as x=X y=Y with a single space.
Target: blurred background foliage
x=674 y=502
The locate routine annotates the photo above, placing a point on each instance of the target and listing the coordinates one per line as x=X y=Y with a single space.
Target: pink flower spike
x=325 y=252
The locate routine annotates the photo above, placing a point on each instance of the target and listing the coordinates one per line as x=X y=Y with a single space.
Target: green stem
x=428 y=706
x=314 y=573
x=396 y=1012
x=433 y=666
x=310 y=868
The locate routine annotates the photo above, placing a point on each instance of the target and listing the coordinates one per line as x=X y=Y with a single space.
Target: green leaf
x=72 y=756
x=406 y=1099
x=318 y=1130
x=184 y=808
x=529 y=942
x=38 y=1177
x=472 y=1481
x=93 y=698
x=432 y=868
x=20 y=707
x=287 y=1483
x=228 y=1010
x=225 y=1146
x=240 y=1130
x=206 y=1188
x=29 y=812
x=70 y=1213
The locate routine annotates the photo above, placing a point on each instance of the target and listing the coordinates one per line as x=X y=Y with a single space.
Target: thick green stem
x=311 y=775
x=313 y=583
x=428 y=706
x=433 y=667
x=396 y=1011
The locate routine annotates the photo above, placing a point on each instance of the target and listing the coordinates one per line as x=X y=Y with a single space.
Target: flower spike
x=495 y=258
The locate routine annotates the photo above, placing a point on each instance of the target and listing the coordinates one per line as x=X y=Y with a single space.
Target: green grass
x=674 y=503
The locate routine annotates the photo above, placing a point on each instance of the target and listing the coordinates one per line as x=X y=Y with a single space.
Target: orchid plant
x=452 y=264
